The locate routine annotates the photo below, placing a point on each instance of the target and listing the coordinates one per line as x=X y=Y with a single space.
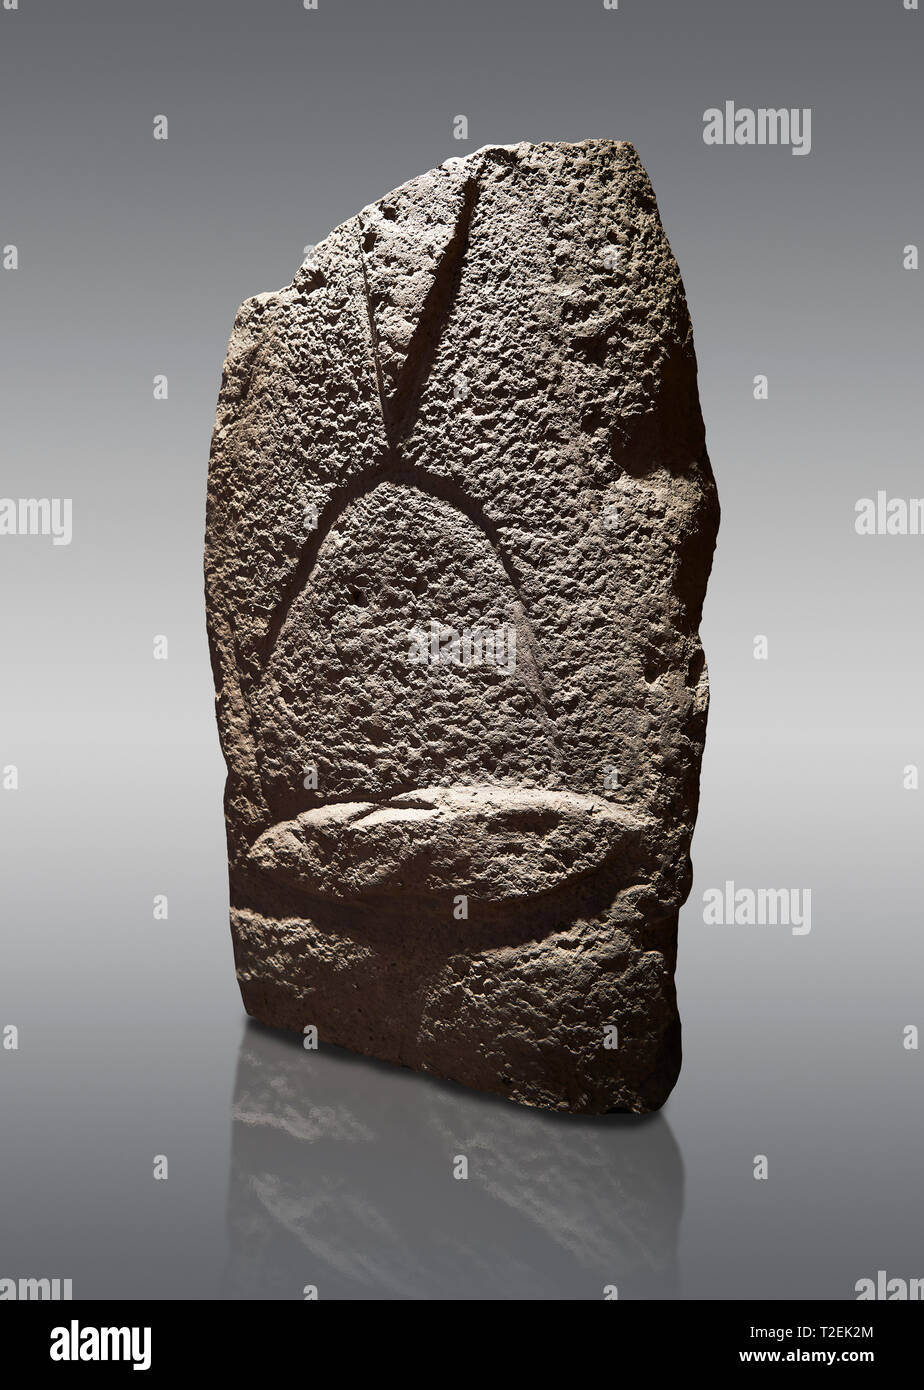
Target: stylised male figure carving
x=460 y=522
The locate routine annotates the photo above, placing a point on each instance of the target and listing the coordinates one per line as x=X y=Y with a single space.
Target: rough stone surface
x=460 y=522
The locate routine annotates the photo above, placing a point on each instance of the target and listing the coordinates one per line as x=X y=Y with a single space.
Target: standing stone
x=460 y=522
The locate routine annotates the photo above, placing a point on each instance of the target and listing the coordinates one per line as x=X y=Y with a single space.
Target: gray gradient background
x=134 y=257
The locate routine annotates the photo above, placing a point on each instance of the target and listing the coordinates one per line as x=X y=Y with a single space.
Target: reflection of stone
x=469 y=866
x=341 y=1177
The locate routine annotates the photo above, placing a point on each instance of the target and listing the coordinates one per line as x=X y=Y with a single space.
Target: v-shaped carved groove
x=401 y=406
x=376 y=353
x=399 y=412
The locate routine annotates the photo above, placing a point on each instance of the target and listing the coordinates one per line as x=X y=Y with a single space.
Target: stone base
x=530 y=1021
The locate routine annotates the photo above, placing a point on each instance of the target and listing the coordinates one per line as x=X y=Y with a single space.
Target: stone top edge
x=456 y=163
x=550 y=145
x=452 y=165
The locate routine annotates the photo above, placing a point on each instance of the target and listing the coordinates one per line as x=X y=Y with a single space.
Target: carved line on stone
x=399 y=412
x=231 y=691
x=374 y=334
x=499 y=924
x=400 y=409
x=414 y=374
x=444 y=490
x=401 y=474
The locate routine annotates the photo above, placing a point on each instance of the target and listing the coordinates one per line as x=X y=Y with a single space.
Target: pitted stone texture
x=472 y=417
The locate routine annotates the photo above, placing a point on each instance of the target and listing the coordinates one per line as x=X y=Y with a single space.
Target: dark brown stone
x=460 y=522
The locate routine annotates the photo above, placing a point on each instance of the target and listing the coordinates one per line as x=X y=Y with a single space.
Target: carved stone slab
x=460 y=523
